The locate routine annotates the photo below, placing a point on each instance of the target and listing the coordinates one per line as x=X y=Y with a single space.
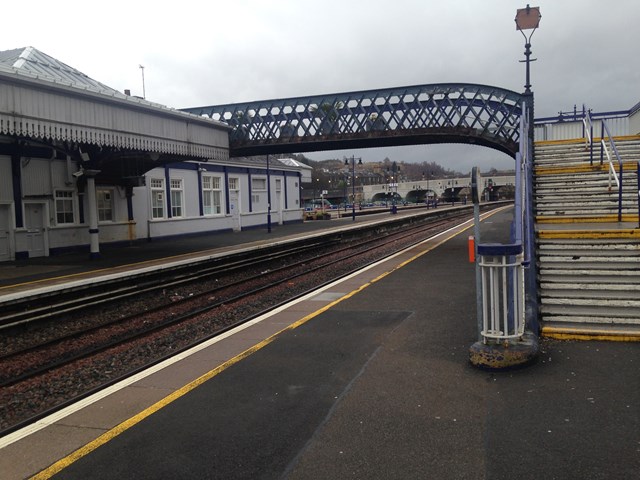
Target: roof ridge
x=33 y=61
x=8 y=57
x=34 y=53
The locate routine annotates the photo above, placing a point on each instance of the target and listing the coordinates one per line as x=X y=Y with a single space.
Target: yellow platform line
x=586 y=168
x=570 y=141
x=627 y=233
x=578 y=141
x=559 y=169
x=627 y=217
x=593 y=334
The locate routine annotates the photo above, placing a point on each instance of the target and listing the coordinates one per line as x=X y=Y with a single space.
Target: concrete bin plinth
x=506 y=354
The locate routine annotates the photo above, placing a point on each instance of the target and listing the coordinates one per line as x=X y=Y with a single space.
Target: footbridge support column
x=507 y=326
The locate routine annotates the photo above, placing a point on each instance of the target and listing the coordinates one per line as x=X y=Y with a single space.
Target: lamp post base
x=501 y=356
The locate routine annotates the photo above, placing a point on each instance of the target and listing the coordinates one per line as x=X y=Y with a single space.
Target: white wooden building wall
x=620 y=126
x=41 y=178
x=192 y=222
x=634 y=123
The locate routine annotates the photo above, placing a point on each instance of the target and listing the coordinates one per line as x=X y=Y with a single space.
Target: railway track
x=76 y=361
x=55 y=304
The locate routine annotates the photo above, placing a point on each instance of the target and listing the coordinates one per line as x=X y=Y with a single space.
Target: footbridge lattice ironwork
x=421 y=114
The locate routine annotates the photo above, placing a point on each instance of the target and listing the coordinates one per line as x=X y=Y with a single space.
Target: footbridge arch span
x=420 y=114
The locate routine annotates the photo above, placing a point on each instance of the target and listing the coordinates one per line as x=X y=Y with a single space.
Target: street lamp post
x=394 y=169
x=528 y=19
x=428 y=196
x=353 y=183
x=316 y=187
x=346 y=199
x=144 y=92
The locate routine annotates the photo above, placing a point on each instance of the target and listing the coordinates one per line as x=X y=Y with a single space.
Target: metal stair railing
x=588 y=133
x=612 y=171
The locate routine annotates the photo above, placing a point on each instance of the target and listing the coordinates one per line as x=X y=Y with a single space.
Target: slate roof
x=33 y=61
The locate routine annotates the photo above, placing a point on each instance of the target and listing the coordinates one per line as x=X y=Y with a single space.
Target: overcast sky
x=199 y=53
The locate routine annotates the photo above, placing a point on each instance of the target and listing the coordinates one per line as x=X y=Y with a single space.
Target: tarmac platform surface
x=368 y=379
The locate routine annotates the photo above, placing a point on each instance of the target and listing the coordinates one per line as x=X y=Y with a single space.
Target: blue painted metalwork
x=436 y=113
x=507 y=298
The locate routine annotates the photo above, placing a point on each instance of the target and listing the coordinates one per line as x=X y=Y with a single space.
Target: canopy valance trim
x=48 y=130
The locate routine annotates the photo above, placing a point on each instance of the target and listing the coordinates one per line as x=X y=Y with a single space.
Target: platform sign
x=476 y=185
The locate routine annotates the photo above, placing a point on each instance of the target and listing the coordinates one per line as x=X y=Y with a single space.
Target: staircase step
x=622 y=291
x=574 y=310
x=612 y=247
x=596 y=183
x=610 y=276
x=627 y=233
x=592 y=195
x=590 y=262
x=575 y=217
x=602 y=203
x=587 y=288
x=575 y=213
x=571 y=166
x=571 y=192
x=600 y=303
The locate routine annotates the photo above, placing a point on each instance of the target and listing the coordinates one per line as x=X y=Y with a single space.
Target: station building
x=84 y=165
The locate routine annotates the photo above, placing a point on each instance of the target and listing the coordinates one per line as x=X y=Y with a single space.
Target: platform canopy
x=45 y=100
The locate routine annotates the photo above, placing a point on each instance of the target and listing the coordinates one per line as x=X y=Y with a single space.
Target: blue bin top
x=498 y=249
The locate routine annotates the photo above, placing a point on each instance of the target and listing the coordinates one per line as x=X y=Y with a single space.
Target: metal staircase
x=588 y=239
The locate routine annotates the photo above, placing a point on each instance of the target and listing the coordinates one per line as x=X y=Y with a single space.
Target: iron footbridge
x=421 y=114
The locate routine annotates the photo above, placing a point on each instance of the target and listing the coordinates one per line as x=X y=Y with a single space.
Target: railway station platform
x=367 y=378
x=34 y=272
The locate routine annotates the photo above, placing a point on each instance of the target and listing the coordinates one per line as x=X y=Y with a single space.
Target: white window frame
x=258 y=187
x=259 y=184
x=211 y=195
x=158 y=205
x=102 y=209
x=177 y=197
x=65 y=198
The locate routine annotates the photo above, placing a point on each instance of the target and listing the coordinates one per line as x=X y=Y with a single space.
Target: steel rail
x=76 y=299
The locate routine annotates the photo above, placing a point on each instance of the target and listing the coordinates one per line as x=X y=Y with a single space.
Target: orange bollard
x=472 y=249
